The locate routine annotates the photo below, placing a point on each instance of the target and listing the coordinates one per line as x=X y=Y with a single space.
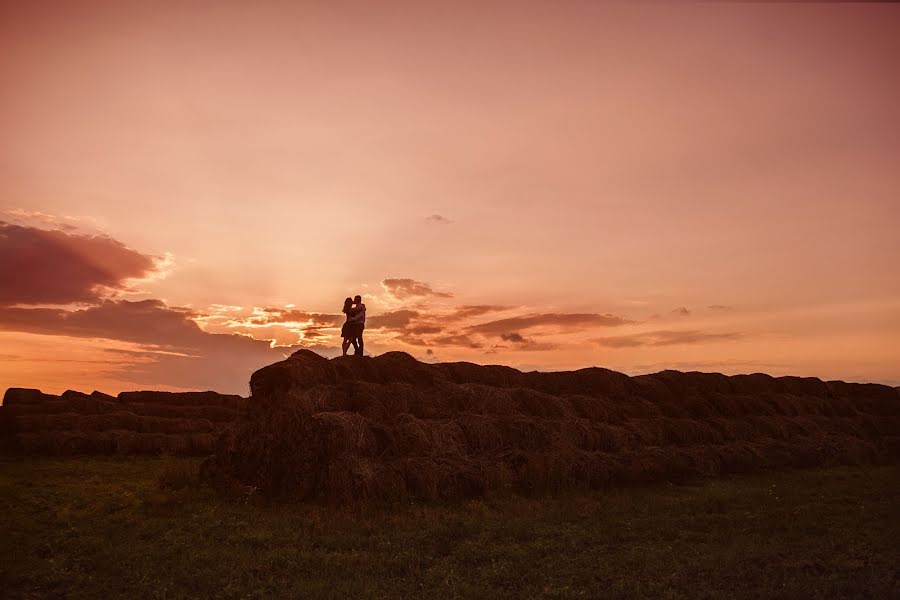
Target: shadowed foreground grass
x=104 y=527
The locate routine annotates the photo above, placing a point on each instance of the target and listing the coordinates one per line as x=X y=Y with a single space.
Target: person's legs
x=358 y=343
x=345 y=345
x=355 y=345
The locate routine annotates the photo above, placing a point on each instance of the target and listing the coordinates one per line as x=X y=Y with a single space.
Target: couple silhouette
x=353 y=328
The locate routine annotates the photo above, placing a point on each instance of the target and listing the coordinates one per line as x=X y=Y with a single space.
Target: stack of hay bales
x=185 y=423
x=391 y=427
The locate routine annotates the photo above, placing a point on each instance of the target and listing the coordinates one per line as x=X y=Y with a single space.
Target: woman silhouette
x=348 y=330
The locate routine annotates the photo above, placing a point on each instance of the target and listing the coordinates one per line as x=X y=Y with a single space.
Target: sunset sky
x=188 y=191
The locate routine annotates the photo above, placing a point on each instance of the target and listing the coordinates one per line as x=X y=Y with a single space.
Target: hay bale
x=25 y=396
x=183 y=399
x=410 y=437
x=338 y=433
x=391 y=428
x=172 y=426
x=81 y=402
x=302 y=370
x=109 y=421
x=178 y=445
x=362 y=439
x=802 y=386
x=445 y=438
x=202 y=444
x=215 y=414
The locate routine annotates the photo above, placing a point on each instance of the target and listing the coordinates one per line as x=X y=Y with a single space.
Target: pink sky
x=544 y=185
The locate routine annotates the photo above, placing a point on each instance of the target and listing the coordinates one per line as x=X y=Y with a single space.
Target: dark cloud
x=277 y=315
x=719 y=308
x=664 y=338
x=39 y=266
x=396 y=320
x=437 y=220
x=520 y=342
x=475 y=310
x=315 y=332
x=455 y=340
x=425 y=329
x=561 y=320
x=403 y=288
x=144 y=322
x=681 y=312
x=412 y=340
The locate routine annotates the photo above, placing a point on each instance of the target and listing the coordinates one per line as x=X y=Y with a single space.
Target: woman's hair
x=347 y=304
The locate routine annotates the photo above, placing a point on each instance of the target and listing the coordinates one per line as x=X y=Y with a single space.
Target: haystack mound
x=391 y=427
x=32 y=422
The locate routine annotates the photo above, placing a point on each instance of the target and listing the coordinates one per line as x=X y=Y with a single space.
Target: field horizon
x=64 y=389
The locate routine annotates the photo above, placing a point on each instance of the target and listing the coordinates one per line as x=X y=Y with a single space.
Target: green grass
x=128 y=527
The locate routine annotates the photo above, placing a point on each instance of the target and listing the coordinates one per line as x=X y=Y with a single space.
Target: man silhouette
x=358 y=319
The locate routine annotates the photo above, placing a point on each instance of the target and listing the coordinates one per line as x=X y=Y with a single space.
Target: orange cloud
x=558 y=320
x=664 y=338
x=398 y=319
x=277 y=315
x=172 y=350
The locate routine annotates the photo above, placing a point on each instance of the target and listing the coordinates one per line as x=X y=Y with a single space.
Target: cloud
x=726 y=365
x=719 y=308
x=664 y=338
x=681 y=312
x=560 y=320
x=520 y=342
x=467 y=311
x=403 y=288
x=412 y=340
x=278 y=315
x=39 y=266
x=512 y=337
x=456 y=340
x=424 y=329
x=315 y=333
x=42 y=220
x=437 y=220
x=171 y=349
x=398 y=319
x=148 y=322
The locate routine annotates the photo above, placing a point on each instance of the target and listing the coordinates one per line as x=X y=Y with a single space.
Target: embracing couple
x=352 y=331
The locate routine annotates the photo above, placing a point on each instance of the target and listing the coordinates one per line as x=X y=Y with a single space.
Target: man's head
x=357 y=300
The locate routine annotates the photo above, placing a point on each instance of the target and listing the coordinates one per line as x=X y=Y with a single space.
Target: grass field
x=119 y=527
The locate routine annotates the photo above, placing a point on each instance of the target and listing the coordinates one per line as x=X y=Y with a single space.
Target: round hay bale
x=446 y=438
x=341 y=433
x=410 y=436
